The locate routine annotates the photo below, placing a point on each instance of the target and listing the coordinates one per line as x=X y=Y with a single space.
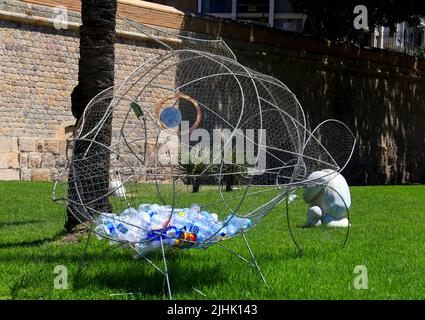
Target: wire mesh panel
x=237 y=124
x=192 y=116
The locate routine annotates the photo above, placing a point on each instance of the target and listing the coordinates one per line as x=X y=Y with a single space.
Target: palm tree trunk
x=195 y=184
x=96 y=73
x=229 y=184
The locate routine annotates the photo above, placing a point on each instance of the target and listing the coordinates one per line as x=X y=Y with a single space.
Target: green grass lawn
x=387 y=236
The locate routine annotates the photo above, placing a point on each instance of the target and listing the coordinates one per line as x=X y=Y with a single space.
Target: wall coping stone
x=168 y=17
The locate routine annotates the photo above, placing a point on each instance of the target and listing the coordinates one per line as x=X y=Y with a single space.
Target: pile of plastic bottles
x=178 y=228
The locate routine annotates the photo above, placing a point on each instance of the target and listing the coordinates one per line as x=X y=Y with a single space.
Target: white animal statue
x=328 y=197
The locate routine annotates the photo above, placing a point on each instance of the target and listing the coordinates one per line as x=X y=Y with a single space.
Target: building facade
x=378 y=94
x=279 y=14
x=405 y=38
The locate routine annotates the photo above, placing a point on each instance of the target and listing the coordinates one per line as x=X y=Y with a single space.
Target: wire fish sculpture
x=192 y=114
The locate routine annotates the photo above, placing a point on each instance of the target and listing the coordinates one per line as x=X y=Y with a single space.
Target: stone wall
x=38 y=71
x=380 y=95
x=31 y=158
x=383 y=104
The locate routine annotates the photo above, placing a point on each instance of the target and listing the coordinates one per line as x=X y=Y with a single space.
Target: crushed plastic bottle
x=181 y=228
x=239 y=222
x=129 y=211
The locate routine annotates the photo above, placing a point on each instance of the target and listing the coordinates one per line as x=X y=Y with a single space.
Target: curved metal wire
x=121 y=133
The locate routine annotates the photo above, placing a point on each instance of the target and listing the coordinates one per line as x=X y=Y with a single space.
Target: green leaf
x=137 y=109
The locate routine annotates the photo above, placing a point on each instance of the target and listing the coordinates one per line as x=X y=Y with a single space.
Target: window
x=257 y=11
x=253 y=6
x=217 y=6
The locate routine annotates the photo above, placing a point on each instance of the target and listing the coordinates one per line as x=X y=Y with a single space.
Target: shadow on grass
x=143 y=280
x=18 y=223
x=33 y=243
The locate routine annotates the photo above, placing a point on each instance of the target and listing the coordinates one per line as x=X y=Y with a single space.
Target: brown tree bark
x=95 y=74
x=196 y=183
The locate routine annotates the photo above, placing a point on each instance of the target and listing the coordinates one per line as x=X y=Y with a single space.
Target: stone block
x=9 y=174
x=26 y=174
x=13 y=161
x=3 y=160
x=39 y=146
x=27 y=145
x=9 y=161
x=40 y=175
x=34 y=160
x=47 y=160
x=8 y=144
x=62 y=147
x=51 y=146
x=23 y=159
x=61 y=162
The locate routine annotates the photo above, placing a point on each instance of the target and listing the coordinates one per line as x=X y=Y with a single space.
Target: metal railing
x=401 y=44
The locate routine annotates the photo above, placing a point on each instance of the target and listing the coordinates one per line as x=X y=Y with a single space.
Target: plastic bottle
x=207 y=217
x=159 y=217
x=235 y=225
x=147 y=246
x=155 y=207
x=141 y=219
x=181 y=220
x=105 y=217
x=196 y=208
x=231 y=230
x=143 y=207
x=128 y=211
x=129 y=229
x=158 y=221
x=239 y=222
x=101 y=231
x=210 y=231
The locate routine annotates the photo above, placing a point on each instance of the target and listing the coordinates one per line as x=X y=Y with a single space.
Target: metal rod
x=236 y=254
x=84 y=252
x=288 y=220
x=255 y=260
x=149 y=261
x=167 y=279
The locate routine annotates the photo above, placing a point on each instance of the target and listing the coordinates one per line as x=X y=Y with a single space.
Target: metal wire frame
x=288 y=219
x=302 y=139
x=216 y=45
x=164 y=271
x=301 y=155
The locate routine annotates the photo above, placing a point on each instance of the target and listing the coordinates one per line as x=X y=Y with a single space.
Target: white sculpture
x=328 y=197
